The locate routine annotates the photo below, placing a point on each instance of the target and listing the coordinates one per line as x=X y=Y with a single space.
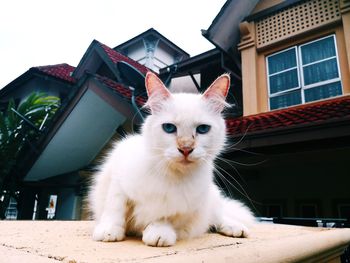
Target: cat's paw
x=233 y=229
x=159 y=235
x=108 y=233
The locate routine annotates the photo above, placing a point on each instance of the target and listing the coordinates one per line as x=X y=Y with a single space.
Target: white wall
x=184 y=84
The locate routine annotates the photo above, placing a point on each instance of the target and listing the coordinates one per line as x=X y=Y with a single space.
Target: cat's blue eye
x=203 y=128
x=169 y=127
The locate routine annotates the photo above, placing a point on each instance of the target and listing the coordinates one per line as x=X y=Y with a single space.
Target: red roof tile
x=307 y=114
x=116 y=57
x=122 y=90
x=61 y=71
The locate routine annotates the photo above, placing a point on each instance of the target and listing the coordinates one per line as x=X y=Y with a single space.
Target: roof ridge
x=54 y=65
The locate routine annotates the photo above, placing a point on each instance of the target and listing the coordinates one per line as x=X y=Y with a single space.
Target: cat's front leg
x=232 y=228
x=159 y=234
x=111 y=226
x=232 y=218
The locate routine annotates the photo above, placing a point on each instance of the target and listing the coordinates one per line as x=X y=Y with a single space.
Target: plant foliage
x=20 y=126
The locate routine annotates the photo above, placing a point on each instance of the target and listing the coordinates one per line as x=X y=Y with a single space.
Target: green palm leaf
x=14 y=131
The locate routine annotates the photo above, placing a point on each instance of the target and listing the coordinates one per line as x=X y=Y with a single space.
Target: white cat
x=159 y=184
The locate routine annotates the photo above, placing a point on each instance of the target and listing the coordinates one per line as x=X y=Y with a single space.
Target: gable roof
x=154 y=33
x=98 y=53
x=101 y=98
x=312 y=114
x=117 y=57
x=69 y=73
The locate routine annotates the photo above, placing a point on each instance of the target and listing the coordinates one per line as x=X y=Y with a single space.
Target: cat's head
x=185 y=129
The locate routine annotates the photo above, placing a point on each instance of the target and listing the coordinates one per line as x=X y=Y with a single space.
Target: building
x=289 y=127
x=293 y=138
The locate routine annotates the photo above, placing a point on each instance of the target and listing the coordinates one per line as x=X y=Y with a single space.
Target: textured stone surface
x=70 y=241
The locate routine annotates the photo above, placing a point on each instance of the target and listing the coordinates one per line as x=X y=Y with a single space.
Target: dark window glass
x=318 y=50
x=285 y=100
x=322 y=92
x=282 y=61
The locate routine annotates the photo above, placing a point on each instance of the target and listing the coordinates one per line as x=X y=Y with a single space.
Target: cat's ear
x=217 y=92
x=156 y=91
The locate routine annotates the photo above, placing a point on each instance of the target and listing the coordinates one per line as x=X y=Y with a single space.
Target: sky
x=47 y=32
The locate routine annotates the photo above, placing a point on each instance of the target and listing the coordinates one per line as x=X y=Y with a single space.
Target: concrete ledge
x=70 y=241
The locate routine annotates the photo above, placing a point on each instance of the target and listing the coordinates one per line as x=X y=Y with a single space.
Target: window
x=11 y=211
x=308 y=208
x=274 y=208
x=343 y=210
x=304 y=73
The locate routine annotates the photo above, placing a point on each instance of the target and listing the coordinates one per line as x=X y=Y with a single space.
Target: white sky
x=46 y=32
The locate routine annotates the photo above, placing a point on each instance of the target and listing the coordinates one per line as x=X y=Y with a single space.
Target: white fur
x=144 y=188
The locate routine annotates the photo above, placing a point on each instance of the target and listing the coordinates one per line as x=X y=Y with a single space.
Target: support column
x=249 y=68
x=345 y=14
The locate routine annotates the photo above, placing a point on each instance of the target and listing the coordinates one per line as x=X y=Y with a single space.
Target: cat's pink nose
x=185 y=151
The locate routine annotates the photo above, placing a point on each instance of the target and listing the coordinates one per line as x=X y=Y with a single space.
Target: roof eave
x=29 y=74
x=193 y=62
x=271 y=10
x=78 y=72
x=224 y=30
x=331 y=129
x=17 y=81
x=57 y=122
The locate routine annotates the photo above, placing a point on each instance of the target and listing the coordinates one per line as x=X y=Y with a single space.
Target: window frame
x=300 y=73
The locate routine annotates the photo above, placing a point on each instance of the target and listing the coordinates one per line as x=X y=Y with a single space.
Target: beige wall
x=255 y=90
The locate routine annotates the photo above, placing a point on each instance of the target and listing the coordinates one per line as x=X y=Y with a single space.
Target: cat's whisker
x=220 y=178
x=242 y=137
x=233 y=167
x=243 y=192
x=224 y=179
x=228 y=188
x=239 y=163
x=133 y=123
x=231 y=148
